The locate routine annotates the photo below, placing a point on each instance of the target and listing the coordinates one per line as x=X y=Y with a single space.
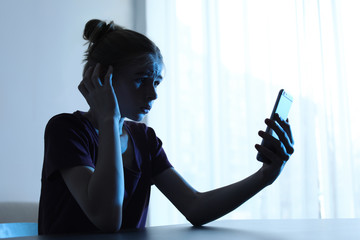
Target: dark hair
x=111 y=44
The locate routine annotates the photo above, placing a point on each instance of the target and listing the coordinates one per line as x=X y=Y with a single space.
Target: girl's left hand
x=276 y=151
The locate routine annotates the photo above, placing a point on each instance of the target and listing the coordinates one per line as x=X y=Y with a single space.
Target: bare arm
x=201 y=208
x=100 y=191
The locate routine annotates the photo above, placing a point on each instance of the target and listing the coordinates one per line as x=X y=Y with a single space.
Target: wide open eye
x=157 y=83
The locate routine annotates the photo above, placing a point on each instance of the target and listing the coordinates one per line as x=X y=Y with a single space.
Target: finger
x=276 y=128
x=82 y=89
x=95 y=76
x=290 y=132
x=280 y=132
x=88 y=72
x=86 y=81
x=285 y=125
x=108 y=76
x=287 y=129
x=269 y=154
x=275 y=144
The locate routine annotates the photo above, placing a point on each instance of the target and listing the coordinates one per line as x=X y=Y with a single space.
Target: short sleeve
x=159 y=160
x=66 y=145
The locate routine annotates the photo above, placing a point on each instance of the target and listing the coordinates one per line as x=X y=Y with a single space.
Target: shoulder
x=65 y=122
x=61 y=119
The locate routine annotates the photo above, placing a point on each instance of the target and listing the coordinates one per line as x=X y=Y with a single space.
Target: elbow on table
x=196 y=224
x=196 y=220
x=194 y=212
x=112 y=227
x=109 y=222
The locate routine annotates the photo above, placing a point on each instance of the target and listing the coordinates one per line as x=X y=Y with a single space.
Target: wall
x=41 y=52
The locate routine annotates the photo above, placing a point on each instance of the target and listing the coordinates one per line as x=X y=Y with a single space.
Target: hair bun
x=96 y=29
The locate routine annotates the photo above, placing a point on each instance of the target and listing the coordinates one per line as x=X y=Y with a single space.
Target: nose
x=151 y=93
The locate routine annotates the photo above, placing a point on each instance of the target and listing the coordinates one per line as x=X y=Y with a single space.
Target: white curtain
x=225 y=63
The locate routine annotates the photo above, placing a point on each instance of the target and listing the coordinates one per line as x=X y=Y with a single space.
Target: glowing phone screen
x=282 y=108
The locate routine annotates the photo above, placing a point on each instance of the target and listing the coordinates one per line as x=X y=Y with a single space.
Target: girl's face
x=135 y=88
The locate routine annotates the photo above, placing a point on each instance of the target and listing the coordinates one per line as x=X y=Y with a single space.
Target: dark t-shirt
x=71 y=140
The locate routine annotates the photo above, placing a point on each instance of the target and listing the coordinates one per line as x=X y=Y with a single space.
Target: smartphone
x=281 y=107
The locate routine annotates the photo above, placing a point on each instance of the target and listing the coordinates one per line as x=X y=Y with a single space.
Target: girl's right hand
x=100 y=97
x=278 y=151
